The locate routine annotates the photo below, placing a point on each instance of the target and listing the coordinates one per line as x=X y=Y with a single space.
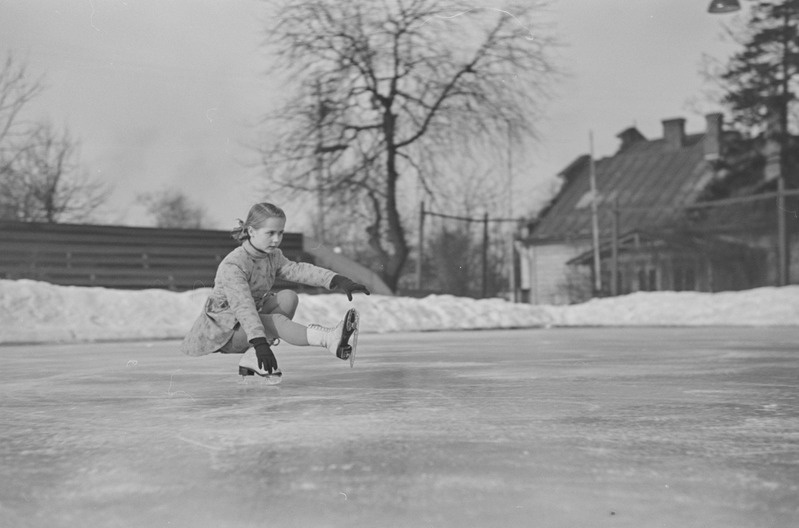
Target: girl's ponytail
x=239 y=232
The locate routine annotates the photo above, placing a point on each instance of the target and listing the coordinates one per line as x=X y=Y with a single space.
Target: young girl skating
x=243 y=315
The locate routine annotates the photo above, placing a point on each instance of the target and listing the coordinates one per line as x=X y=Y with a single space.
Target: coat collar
x=253 y=251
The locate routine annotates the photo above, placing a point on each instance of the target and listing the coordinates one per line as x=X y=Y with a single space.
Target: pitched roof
x=648 y=177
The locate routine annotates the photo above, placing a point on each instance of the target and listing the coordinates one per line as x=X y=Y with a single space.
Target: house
x=654 y=230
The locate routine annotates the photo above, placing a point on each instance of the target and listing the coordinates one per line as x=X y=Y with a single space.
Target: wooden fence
x=118 y=256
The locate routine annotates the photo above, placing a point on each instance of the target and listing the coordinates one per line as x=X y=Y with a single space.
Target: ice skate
x=341 y=340
x=248 y=366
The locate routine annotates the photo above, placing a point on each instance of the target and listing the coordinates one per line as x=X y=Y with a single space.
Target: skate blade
x=273 y=379
x=345 y=349
x=352 y=324
x=269 y=379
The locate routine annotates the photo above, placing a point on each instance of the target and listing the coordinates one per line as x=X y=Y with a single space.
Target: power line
x=468 y=219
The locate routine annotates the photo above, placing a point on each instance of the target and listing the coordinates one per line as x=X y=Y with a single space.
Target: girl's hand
x=266 y=359
x=349 y=287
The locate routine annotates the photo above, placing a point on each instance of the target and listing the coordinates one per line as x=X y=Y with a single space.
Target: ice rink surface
x=611 y=427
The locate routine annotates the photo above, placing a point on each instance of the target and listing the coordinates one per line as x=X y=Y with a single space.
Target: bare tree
x=45 y=182
x=17 y=90
x=41 y=178
x=173 y=209
x=397 y=89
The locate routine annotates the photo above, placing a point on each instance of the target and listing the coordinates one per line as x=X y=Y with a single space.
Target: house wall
x=658 y=271
x=545 y=277
x=766 y=268
x=685 y=271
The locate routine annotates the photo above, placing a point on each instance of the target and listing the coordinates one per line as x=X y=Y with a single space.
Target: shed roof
x=648 y=179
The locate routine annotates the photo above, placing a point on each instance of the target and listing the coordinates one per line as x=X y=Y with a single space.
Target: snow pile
x=32 y=311
x=758 y=307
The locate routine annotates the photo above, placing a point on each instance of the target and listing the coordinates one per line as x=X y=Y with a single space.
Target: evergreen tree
x=761 y=83
x=761 y=80
x=761 y=86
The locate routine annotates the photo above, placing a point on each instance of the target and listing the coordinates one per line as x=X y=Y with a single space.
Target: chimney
x=713 y=136
x=628 y=136
x=674 y=133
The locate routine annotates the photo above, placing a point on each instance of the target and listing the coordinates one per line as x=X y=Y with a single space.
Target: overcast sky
x=165 y=93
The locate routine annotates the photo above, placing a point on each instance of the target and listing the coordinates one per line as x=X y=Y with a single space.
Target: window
x=690 y=279
x=684 y=277
x=653 y=280
x=647 y=279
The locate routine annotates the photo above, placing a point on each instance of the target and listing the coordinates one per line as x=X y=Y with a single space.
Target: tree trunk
x=395 y=259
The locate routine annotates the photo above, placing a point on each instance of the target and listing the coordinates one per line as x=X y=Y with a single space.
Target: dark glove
x=349 y=287
x=266 y=359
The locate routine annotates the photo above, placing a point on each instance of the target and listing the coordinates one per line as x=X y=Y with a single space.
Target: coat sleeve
x=303 y=272
x=237 y=290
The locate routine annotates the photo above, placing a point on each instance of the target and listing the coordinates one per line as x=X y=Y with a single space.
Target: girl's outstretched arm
x=303 y=272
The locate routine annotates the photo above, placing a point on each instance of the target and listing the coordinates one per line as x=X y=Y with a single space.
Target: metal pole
x=514 y=290
x=485 y=255
x=320 y=212
x=782 y=232
x=511 y=249
x=594 y=218
x=614 y=262
x=421 y=247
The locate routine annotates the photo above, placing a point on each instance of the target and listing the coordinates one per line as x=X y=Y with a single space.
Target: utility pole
x=594 y=218
x=782 y=231
x=485 y=255
x=614 y=259
x=420 y=245
x=512 y=230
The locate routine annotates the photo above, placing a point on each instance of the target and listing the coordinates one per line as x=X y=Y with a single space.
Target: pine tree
x=761 y=85
x=762 y=82
x=763 y=78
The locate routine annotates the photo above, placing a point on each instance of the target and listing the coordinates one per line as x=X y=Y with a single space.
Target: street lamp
x=723 y=6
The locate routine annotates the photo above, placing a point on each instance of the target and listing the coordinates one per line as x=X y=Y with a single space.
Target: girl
x=242 y=315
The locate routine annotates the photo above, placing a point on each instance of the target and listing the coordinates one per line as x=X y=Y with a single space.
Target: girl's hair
x=256 y=218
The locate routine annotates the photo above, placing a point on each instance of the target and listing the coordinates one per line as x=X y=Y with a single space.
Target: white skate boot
x=248 y=366
x=341 y=340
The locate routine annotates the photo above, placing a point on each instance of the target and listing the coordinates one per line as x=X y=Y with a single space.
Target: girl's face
x=269 y=236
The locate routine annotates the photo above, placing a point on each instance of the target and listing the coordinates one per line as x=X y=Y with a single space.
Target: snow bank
x=32 y=311
x=758 y=307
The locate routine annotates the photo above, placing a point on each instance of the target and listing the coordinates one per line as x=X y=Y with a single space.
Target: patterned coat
x=242 y=279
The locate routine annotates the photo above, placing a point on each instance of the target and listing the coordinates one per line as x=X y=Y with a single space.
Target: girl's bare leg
x=279 y=325
x=283 y=302
x=276 y=313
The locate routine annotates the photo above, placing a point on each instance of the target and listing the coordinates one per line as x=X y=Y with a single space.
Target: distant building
x=647 y=235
